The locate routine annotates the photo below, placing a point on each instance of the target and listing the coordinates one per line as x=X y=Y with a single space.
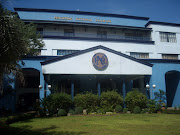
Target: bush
x=87 y=101
x=135 y=98
x=78 y=110
x=125 y=110
x=118 y=108
x=145 y=110
x=109 y=100
x=62 y=112
x=137 y=110
x=71 y=111
x=171 y=111
x=55 y=101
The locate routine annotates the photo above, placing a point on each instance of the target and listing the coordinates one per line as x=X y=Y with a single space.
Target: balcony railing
x=96 y=36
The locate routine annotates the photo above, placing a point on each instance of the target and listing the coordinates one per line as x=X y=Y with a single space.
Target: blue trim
x=87 y=24
x=92 y=49
x=80 y=12
x=162 y=23
x=100 y=39
x=72 y=90
x=99 y=89
x=124 y=93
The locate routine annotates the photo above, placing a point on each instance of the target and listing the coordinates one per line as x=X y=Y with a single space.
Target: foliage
x=55 y=101
x=118 y=108
x=135 y=98
x=87 y=101
x=125 y=110
x=71 y=111
x=137 y=110
x=151 y=106
x=17 y=39
x=78 y=110
x=161 y=97
x=171 y=111
x=145 y=110
x=109 y=100
x=61 y=112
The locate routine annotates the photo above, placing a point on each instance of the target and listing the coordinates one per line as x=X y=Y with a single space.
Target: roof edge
x=92 y=49
x=162 y=23
x=79 y=12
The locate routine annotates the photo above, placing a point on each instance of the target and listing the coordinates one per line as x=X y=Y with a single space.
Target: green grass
x=121 y=124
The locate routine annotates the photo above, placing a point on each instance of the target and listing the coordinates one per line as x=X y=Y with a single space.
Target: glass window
x=65 y=52
x=139 y=55
x=102 y=34
x=134 y=36
x=40 y=31
x=170 y=56
x=168 y=37
x=69 y=32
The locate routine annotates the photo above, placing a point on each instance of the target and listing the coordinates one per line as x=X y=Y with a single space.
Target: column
x=99 y=88
x=124 y=93
x=72 y=90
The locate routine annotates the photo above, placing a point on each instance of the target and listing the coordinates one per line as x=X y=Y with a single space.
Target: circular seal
x=100 y=61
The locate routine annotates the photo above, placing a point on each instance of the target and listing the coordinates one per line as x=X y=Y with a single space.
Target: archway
x=172 y=87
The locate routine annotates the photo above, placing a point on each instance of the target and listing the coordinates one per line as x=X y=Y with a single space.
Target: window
x=102 y=34
x=134 y=36
x=65 y=52
x=170 y=56
x=40 y=31
x=69 y=32
x=168 y=37
x=139 y=55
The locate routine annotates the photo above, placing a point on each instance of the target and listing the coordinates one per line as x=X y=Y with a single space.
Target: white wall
x=82 y=64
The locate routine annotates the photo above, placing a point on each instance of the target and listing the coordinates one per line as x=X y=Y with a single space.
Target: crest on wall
x=100 y=61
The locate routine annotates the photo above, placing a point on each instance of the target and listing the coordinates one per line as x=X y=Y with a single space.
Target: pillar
x=72 y=90
x=124 y=93
x=99 y=88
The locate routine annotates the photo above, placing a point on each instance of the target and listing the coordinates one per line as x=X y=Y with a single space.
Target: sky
x=156 y=10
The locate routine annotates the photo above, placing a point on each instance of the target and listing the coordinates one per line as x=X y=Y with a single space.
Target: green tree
x=17 y=39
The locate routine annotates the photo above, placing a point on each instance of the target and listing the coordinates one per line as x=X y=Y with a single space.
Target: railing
x=96 y=36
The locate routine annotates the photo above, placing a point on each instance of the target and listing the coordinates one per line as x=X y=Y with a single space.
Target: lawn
x=121 y=124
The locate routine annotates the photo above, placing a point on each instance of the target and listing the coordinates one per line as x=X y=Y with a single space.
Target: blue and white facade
x=78 y=45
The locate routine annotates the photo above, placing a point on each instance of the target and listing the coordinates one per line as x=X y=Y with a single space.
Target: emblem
x=100 y=61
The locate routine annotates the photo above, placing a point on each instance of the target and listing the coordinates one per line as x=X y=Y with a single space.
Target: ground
x=120 y=124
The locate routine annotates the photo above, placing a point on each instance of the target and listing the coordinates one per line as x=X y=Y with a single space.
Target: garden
x=89 y=113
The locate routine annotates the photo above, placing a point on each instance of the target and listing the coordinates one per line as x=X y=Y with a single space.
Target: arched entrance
x=27 y=91
x=172 y=87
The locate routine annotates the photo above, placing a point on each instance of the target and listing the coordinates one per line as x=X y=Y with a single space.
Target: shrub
x=137 y=110
x=151 y=106
x=55 y=101
x=135 y=98
x=125 y=110
x=78 y=110
x=145 y=110
x=87 y=101
x=171 y=111
x=109 y=100
x=118 y=108
x=62 y=112
x=71 y=111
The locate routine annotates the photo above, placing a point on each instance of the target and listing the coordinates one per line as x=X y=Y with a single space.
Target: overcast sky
x=156 y=10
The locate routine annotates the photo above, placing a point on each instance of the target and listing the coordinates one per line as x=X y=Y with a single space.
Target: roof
x=92 y=49
x=80 y=12
x=162 y=23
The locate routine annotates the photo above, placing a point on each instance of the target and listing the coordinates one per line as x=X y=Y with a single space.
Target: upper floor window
x=170 y=56
x=69 y=32
x=40 y=31
x=102 y=34
x=65 y=52
x=139 y=55
x=168 y=37
x=134 y=36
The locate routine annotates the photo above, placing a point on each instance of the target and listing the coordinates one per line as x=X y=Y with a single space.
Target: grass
x=121 y=124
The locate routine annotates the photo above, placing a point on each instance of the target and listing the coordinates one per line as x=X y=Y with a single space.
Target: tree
x=17 y=39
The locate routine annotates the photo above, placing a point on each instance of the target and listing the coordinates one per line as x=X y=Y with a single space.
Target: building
x=87 y=51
